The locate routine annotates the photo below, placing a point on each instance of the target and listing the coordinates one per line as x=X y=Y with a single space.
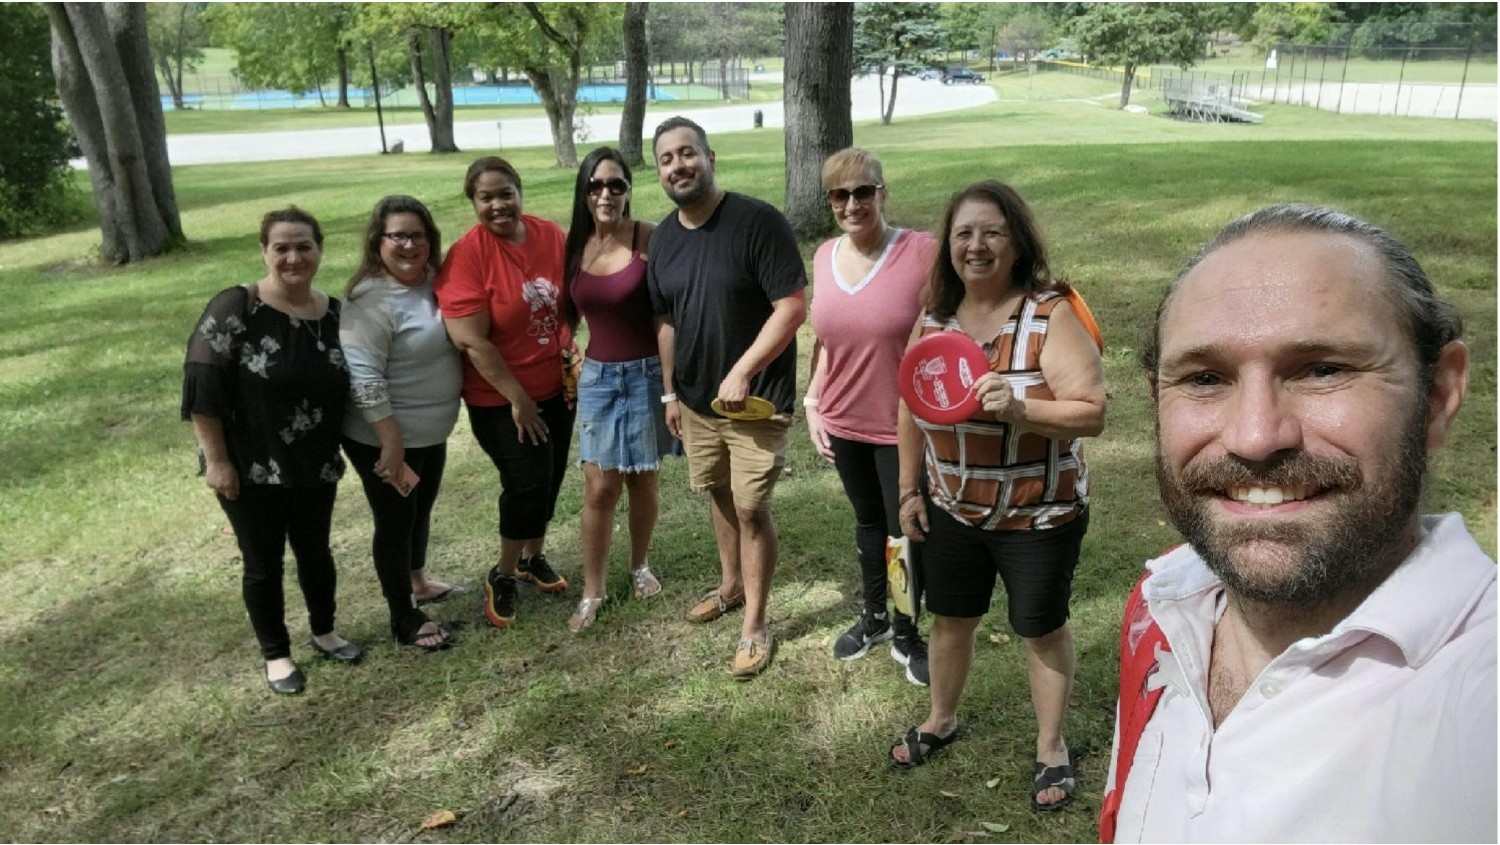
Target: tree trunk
x=442 y=84
x=174 y=88
x=1125 y=89
x=102 y=61
x=637 y=61
x=880 y=80
x=723 y=79
x=819 y=63
x=419 y=81
x=890 y=109
x=343 y=57
x=560 y=108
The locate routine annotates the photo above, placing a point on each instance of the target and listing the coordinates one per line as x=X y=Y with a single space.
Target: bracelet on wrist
x=668 y=398
x=908 y=496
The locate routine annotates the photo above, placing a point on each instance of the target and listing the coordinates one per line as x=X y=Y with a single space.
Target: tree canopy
x=896 y=37
x=1135 y=34
x=34 y=158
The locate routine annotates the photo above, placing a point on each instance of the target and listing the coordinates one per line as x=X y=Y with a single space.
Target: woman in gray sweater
x=404 y=379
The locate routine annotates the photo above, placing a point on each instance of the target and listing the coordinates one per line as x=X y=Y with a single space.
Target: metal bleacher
x=1196 y=97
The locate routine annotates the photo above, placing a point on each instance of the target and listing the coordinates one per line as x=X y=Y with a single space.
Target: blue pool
x=475 y=95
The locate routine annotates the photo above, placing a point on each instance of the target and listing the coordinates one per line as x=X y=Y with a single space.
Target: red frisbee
x=937 y=377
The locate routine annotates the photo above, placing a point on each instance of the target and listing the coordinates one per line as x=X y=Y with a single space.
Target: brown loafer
x=750 y=657
x=713 y=605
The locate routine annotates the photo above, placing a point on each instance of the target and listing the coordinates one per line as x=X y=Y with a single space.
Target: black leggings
x=265 y=518
x=402 y=523
x=531 y=474
x=870 y=475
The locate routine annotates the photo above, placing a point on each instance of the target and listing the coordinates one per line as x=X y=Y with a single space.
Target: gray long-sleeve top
x=401 y=362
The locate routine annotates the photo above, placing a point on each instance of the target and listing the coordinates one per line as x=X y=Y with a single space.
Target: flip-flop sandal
x=442 y=595
x=412 y=634
x=914 y=740
x=1047 y=777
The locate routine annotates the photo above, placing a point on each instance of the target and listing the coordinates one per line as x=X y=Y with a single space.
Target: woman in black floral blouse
x=265 y=384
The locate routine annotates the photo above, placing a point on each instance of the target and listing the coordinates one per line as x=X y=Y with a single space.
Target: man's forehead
x=1279 y=278
x=677 y=138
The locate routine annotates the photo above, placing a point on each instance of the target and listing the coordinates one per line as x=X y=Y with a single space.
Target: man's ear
x=1450 y=385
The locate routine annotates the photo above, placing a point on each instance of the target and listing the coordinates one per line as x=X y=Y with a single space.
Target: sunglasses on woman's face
x=861 y=194
x=616 y=187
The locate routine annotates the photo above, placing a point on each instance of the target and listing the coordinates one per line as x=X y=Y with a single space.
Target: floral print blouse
x=277 y=383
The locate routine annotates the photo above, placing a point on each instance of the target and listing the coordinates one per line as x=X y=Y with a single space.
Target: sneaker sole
x=490 y=615
x=869 y=644
x=555 y=587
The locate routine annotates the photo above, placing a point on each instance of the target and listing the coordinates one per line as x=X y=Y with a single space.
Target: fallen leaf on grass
x=1161 y=523
x=442 y=818
x=682 y=814
x=993 y=827
x=119 y=778
x=672 y=743
x=992 y=783
x=628 y=806
x=637 y=770
x=999 y=639
x=946 y=794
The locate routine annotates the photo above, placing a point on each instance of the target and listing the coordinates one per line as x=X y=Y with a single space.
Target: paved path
x=914 y=97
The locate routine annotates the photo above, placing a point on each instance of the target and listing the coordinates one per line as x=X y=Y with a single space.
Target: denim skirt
x=621 y=422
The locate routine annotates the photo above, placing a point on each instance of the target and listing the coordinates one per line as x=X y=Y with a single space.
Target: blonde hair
x=851 y=163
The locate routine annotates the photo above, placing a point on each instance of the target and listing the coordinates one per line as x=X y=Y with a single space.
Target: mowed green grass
x=130 y=687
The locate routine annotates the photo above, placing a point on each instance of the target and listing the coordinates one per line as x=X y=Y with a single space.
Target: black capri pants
x=960 y=563
x=531 y=474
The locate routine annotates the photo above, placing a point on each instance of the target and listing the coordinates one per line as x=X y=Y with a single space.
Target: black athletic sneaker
x=499 y=598
x=540 y=574
x=866 y=631
x=911 y=652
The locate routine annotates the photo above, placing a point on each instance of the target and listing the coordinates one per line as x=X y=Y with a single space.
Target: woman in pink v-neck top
x=867 y=289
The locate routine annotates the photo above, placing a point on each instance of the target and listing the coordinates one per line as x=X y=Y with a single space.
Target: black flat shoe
x=290 y=685
x=346 y=653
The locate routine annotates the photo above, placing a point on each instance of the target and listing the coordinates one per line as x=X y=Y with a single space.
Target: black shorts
x=960 y=562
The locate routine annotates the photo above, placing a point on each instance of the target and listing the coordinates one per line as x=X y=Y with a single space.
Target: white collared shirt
x=1382 y=730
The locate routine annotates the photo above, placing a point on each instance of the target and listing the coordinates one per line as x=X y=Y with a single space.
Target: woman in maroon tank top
x=622 y=430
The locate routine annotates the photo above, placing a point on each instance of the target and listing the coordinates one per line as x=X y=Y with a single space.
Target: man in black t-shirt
x=727 y=284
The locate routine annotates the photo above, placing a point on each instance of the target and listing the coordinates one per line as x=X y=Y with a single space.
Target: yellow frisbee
x=755 y=408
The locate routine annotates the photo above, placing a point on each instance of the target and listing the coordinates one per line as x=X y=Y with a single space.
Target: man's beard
x=702 y=187
x=1319 y=562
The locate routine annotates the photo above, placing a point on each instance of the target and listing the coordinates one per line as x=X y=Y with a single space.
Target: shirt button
x=1271 y=688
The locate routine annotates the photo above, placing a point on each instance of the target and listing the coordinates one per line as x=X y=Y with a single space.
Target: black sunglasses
x=617 y=187
x=861 y=194
x=399 y=238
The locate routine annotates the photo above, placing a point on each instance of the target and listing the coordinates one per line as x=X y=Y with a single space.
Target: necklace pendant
x=321 y=347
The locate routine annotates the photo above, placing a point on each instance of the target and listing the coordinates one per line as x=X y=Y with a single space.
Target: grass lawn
x=130 y=689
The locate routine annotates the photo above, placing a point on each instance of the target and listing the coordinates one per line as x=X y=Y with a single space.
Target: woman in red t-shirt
x=500 y=291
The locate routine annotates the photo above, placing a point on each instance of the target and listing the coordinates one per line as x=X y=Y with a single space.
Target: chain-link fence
x=1409 y=69
x=600 y=84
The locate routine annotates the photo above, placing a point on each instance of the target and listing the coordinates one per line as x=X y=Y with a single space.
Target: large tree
x=1134 y=34
x=895 y=37
x=549 y=43
x=34 y=172
x=102 y=61
x=427 y=29
x=819 y=63
x=177 y=36
x=1025 y=35
x=292 y=46
x=637 y=63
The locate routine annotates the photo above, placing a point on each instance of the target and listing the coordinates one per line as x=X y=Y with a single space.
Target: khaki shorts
x=747 y=455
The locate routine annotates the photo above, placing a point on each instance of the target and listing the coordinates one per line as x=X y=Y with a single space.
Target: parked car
x=956 y=75
x=931 y=73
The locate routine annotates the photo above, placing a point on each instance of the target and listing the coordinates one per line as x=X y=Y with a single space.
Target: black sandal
x=1047 y=777
x=409 y=630
x=914 y=740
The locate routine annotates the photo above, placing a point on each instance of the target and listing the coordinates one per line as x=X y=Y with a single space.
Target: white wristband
x=809 y=402
x=669 y=397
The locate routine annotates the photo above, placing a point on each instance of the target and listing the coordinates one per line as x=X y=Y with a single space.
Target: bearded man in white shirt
x=1317 y=664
